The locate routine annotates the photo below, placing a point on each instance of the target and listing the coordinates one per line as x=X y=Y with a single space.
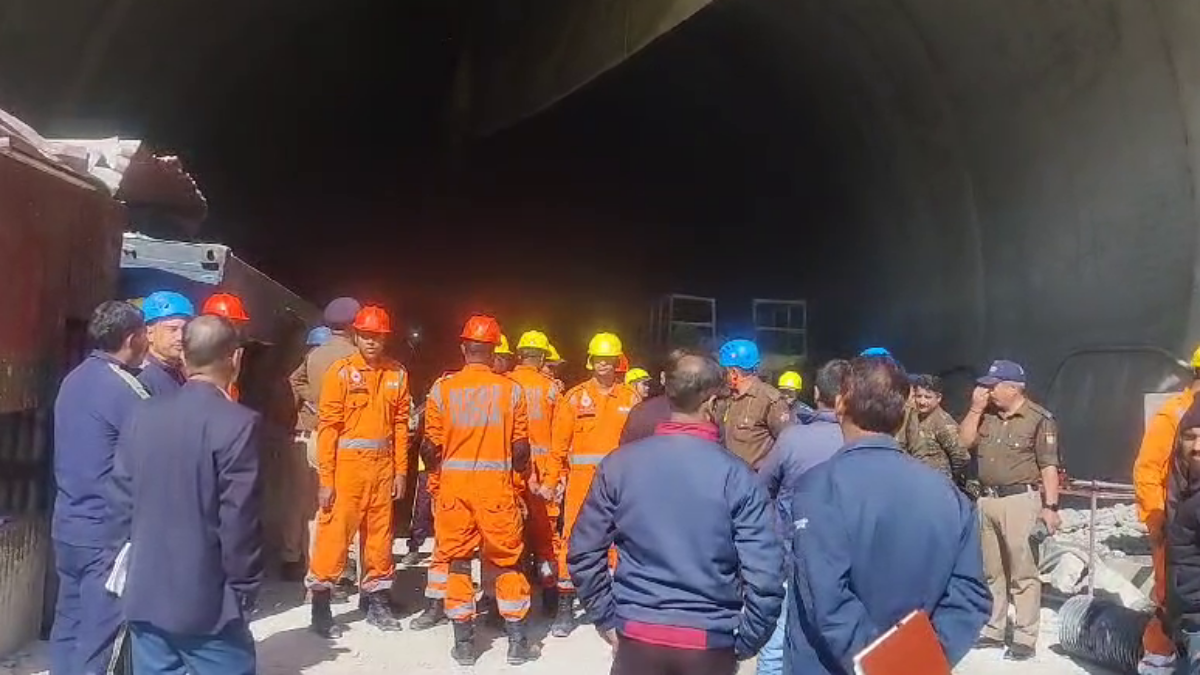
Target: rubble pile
x=1119 y=532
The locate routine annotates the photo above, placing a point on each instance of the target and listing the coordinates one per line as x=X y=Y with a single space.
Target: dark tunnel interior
x=957 y=181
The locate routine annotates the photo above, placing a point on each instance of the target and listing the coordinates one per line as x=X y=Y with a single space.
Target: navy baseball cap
x=1002 y=371
x=341 y=312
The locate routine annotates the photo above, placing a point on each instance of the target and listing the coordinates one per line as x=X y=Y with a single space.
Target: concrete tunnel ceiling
x=975 y=179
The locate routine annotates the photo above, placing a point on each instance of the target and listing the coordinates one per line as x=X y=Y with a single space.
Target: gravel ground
x=286 y=647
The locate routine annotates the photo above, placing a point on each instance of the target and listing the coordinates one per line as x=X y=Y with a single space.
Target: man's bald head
x=693 y=380
x=209 y=343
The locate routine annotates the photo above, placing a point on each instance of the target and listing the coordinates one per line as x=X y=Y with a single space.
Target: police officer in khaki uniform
x=1015 y=441
x=755 y=412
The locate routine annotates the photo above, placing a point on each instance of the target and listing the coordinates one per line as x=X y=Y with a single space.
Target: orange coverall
x=541 y=394
x=1150 y=471
x=476 y=417
x=362 y=446
x=438 y=574
x=587 y=426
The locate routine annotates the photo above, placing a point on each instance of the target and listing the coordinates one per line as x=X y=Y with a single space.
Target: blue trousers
x=770 y=658
x=86 y=616
x=157 y=652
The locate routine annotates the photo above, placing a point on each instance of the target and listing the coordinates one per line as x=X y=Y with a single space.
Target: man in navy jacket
x=185 y=496
x=698 y=582
x=93 y=403
x=877 y=534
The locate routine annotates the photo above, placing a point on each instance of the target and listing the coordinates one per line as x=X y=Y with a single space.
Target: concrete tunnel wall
x=1004 y=178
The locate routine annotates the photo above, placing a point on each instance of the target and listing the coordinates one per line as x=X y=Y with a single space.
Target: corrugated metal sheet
x=24 y=558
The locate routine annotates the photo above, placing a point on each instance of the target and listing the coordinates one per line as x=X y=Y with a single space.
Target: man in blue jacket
x=185 y=496
x=699 y=577
x=877 y=534
x=93 y=403
x=166 y=314
x=800 y=448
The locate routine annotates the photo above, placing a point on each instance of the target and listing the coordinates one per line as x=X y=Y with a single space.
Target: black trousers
x=422 y=518
x=639 y=658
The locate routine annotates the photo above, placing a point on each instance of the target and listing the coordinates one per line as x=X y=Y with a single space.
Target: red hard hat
x=226 y=305
x=622 y=364
x=482 y=328
x=372 y=319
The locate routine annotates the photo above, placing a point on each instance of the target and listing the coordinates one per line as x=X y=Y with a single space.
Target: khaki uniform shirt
x=934 y=441
x=751 y=422
x=306 y=379
x=1013 y=450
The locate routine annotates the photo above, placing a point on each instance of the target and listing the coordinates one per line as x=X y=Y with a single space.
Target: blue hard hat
x=319 y=336
x=739 y=354
x=876 y=351
x=167 y=305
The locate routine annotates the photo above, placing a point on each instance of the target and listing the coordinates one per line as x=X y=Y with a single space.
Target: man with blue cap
x=754 y=413
x=306 y=385
x=166 y=314
x=1016 y=445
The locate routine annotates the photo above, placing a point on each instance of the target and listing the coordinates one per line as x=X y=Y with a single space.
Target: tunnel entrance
x=959 y=183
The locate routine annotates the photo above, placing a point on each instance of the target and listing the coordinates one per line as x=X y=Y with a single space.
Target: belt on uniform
x=1009 y=490
x=363 y=444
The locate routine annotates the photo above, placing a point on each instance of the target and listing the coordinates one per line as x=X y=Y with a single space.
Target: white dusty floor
x=285 y=647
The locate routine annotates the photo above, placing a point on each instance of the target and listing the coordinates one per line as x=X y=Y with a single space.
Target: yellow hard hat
x=636 y=375
x=603 y=345
x=553 y=356
x=503 y=348
x=1196 y=358
x=791 y=380
x=534 y=339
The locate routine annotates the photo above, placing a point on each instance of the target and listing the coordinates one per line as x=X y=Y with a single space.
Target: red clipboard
x=911 y=647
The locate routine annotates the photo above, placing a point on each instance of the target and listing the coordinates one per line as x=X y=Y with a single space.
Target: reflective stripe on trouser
x=487 y=519
x=1005 y=524
x=362 y=505
x=1155 y=639
x=579 y=481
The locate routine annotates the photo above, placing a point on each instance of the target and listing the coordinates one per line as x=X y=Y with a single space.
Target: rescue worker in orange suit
x=503 y=362
x=438 y=573
x=1150 y=472
x=587 y=427
x=477 y=428
x=229 y=306
x=541 y=394
x=362 y=450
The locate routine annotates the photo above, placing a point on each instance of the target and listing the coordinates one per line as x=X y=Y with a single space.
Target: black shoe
x=293 y=571
x=411 y=559
x=564 y=620
x=379 y=612
x=519 y=649
x=434 y=615
x=985 y=642
x=322 y=616
x=463 y=652
x=1019 y=653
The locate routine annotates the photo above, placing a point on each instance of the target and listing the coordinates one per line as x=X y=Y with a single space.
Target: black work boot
x=519 y=648
x=411 y=559
x=463 y=652
x=379 y=612
x=433 y=615
x=564 y=620
x=322 y=616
